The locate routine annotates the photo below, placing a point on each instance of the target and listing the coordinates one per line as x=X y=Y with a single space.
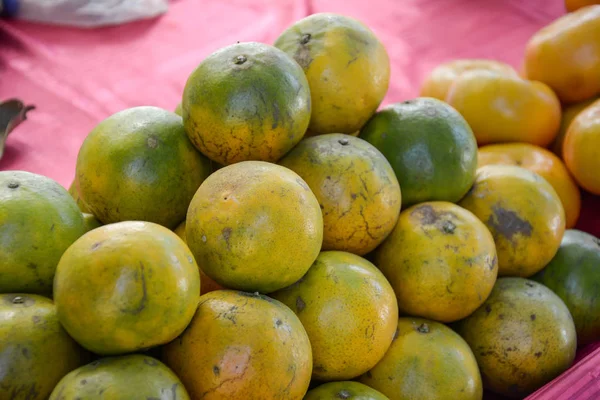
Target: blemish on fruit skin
x=150 y=362
x=300 y=304
x=343 y=394
x=152 y=142
x=508 y=223
x=226 y=235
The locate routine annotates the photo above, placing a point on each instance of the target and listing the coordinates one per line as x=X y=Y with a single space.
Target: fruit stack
x=281 y=236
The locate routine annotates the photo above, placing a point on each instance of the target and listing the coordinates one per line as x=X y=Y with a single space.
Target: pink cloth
x=76 y=77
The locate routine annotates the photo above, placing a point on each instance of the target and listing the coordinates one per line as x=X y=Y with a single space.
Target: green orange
x=523 y=336
x=430 y=147
x=127 y=377
x=345 y=390
x=247 y=101
x=35 y=350
x=574 y=275
x=139 y=165
x=39 y=220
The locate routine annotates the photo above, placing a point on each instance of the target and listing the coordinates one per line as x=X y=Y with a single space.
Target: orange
x=581 y=149
x=247 y=101
x=523 y=336
x=566 y=55
x=39 y=220
x=355 y=185
x=568 y=115
x=133 y=376
x=502 y=108
x=344 y=390
x=347 y=67
x=524 y=214
x=207 y=284
x=126 y=287
x=574 y=5
x=343 y=284
x=440 y=260
x=242 y=346
x=254 y=226
x=427 y=360
x=544 y=163
x=139 y=165
x=35 y=350
x=439 y=80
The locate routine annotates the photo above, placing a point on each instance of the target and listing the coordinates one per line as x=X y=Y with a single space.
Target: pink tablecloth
x=76 y=78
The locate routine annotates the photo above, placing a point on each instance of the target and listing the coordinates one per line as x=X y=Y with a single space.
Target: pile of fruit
x=281 y=236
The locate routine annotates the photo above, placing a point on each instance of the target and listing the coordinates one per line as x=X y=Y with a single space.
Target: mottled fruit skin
x=207 y=284
x=430 y=147
x=240 y=344
x=524 y=214
x=501 y=108
x=139 y=165
x=356 y=187
x=35 y=351
x=39 y=220
x=347 y=67
x=247 y=101
x=349 y=311
x=344 y=390
x=441 y=78
x=522 y=336
x=574 y=275
x=125 y=287
x=581 y=149
x=254 y=226
x=427 y=360
x=441 y=261
x=570 y=42
x=127 y=377
x=544 y=163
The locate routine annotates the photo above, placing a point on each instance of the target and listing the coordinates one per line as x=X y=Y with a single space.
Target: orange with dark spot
x=543 y=162
x=524 y=214
x=441 y=261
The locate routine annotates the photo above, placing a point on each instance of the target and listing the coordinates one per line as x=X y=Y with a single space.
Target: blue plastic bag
x=84 y=13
